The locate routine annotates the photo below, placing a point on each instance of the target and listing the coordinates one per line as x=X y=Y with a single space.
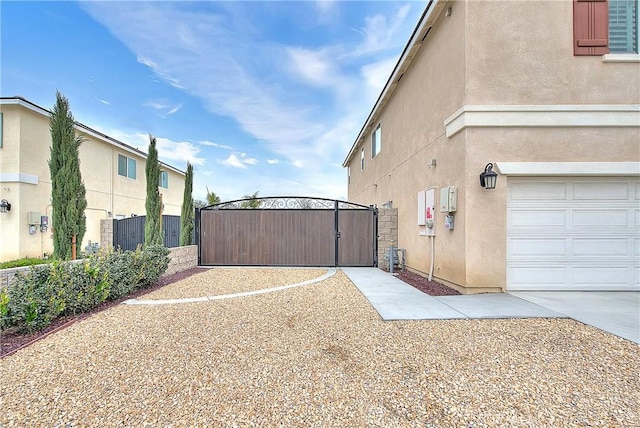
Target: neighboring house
x=557 y=114
x=113 y=174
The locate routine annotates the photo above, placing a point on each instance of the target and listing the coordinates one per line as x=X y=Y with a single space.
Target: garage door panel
x=601 y=191
x=573 y=233
x=528 y=277
x=526 y=218
x=600 y=247
x=609 y=218
x=599 y=275
x=542 y=247
x=534 y=191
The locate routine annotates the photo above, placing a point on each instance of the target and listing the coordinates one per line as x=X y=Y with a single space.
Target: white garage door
x=579 y=233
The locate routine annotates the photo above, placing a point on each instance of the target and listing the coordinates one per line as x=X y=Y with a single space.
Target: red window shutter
x=590 y=27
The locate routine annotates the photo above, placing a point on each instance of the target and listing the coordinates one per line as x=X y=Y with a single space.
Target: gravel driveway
x=318 y=356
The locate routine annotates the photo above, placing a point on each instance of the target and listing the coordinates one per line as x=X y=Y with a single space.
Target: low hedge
x=46 y=292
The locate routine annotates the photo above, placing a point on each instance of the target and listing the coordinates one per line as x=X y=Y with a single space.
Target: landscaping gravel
x=220 y=281
x=317 y=356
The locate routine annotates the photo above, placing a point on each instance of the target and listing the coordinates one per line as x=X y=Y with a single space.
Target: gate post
x=337 y=232
x=196 y=228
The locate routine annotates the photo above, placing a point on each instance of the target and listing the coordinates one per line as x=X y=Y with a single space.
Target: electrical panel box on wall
x=33 y=217
x=421 y=209
x=448 y=199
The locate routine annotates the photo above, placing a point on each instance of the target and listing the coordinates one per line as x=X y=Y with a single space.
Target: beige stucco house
x=113 y=173
x=549 y=94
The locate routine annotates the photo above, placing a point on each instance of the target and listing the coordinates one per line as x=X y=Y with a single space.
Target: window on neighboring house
x=362 y=159
x=1 y=129
x=601 y=27
x=348 y=175
x=623 y=26
x=126 y=167
x=164 y=179
x=376 y=142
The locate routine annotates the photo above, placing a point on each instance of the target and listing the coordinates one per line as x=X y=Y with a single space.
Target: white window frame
x=164 y=183
x=129 y=162
x=362 y=159
x=376 y=141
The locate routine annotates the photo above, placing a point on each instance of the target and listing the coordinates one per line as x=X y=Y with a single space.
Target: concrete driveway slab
x=617 y=312
x=614 y=312
x=497 y=305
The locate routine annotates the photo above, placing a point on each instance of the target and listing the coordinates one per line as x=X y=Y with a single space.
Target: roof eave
x=18 y=100
x=418 y=37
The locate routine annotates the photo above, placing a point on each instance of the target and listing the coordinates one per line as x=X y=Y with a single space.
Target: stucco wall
x=522 y=53
x=487 y=53
x=412 y=126
x=26 y=149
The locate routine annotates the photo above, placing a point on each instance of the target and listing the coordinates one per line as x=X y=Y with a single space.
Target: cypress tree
x=68 y=194
x=153 y=221
x=186 y=216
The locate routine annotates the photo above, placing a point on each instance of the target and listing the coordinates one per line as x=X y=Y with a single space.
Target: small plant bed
x=11 y=340
x=423 y=284
x=27 y=261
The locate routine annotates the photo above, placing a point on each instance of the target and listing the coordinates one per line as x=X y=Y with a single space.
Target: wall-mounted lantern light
x=4 y=206
x=488 y=178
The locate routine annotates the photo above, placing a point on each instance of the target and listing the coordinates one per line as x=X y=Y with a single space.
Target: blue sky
x=259 y=96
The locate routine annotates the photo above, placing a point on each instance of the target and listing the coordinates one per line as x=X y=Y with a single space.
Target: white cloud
x=222 y=54
x=314 y=67
x=234 y=161
x=376 y=74
x=105 y=102
x=163 y=107
x=174 y=153
x=146 y=61
x=216 y=145
x=380 y=33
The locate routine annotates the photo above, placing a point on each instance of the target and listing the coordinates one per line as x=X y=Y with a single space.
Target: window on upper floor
x=1 y=125
x=348 y=175
x=362 y=159
x=605 y=26
x=163 y=180
x=623 y=26
x=376 y=141
x=126 y=167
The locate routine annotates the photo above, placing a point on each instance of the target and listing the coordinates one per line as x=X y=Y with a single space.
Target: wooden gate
x=287 y=231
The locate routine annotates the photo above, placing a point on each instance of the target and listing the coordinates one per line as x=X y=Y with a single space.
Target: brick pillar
x=387 y=234
x=106 y=233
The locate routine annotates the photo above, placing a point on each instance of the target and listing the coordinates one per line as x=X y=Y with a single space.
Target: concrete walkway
x=615 y=312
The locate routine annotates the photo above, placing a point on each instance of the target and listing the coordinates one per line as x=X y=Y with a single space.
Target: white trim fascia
x=621 y=57
x=18 y=177
x=544 y=116
x=569 y=168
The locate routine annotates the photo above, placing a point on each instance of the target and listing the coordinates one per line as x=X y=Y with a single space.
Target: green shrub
x=32 y=301
x=84 y=284
x=27 y=261
x=4 y=309
x=155 y=261
x=45 y=292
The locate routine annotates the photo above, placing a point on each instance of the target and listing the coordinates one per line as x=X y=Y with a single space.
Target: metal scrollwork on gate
x=287 y=202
